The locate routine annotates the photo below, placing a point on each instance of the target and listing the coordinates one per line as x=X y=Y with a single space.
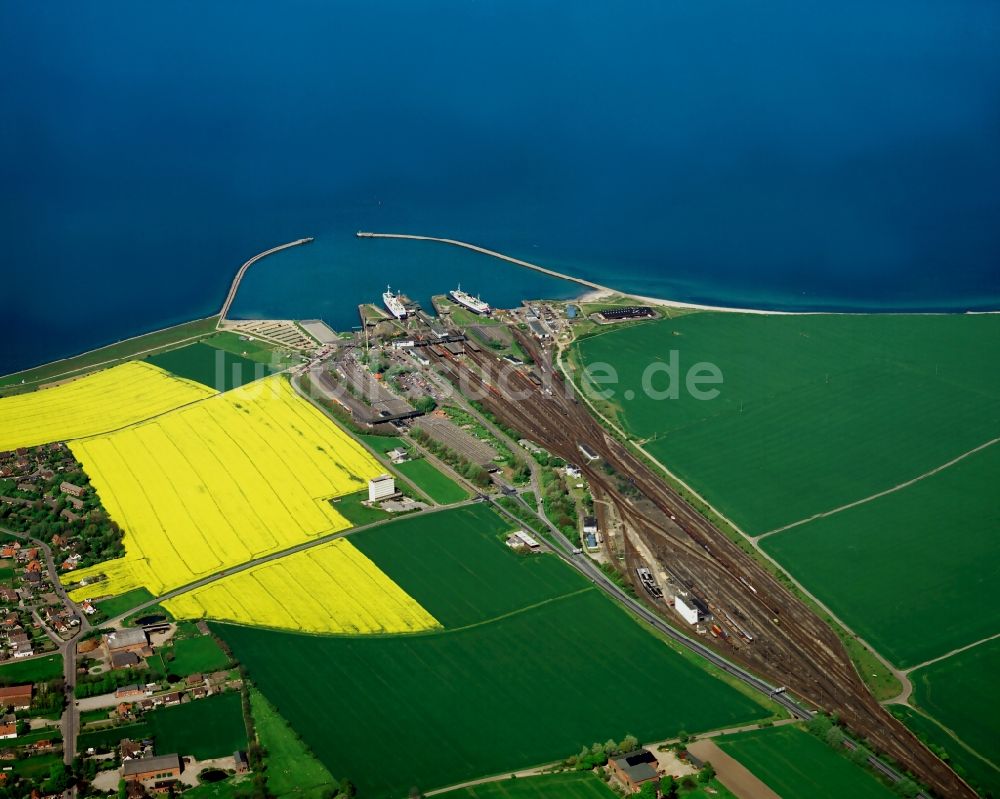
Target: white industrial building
x=381 y=487
x=687 y=609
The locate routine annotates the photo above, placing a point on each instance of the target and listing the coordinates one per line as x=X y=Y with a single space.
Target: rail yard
x=756 y=621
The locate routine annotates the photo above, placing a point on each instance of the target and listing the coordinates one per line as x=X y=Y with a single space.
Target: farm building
x=519 y=539
x=124 y=660
x=154 y=772
x=635 y=769
x=381 y=487
x=16 y=696
x=131 y=639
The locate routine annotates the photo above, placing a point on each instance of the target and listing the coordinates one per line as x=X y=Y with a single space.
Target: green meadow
x=211 y=366
x=533 y=663
x=979 y=774
x=797 y=765
x=960 y=692
x=913 y=572
x=814 y=411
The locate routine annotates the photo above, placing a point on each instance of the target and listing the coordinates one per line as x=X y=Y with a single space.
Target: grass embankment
x=292 y=770
x=525 y=638
x=960 y=693
x=797 y=765
x=107 y=356
x=974 y=770
x=571 y=785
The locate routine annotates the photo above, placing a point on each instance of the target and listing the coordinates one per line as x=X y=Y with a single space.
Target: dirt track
x=763 y=626
x=733 y=774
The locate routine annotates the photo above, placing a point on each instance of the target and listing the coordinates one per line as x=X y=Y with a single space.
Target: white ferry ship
x=393 y=303
x=474 y=304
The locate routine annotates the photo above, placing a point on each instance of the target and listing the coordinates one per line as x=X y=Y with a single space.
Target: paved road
x=71 y=719
x=284 y=553
x=585 y=566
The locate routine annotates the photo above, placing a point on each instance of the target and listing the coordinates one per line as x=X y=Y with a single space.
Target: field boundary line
x=431 y=631
x=954 y=736
x=906 y=687
x=893 y=490
x=111 y=360
x=947 y=655
x=291 y=550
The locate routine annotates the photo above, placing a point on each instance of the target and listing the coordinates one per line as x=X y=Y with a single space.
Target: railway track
x=791 y=646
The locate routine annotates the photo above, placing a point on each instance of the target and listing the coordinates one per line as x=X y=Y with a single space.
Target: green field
x=109 y=737
x=978 y=774
x=960 y=692
x=383 y=444
x=571 y=785
x=239 y=786
x=117 y=605
x=815 y=411
x=528 y=688
x=253 y=349
x=205 y=728
x=351 y=507
x=109 y=355
x=455 y=564
x=37 y=669
x=214 y=367
x=935 y=591
x=437 y=486
x=797 y=765
x=292 y=770
x=195 y=655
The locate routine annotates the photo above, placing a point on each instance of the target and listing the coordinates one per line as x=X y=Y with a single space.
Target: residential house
x=635 y=769
x=71 y=489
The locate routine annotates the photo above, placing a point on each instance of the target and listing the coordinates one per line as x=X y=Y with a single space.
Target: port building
x=381 y=487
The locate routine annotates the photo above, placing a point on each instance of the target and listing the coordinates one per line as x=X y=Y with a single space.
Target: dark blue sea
x=787 y=154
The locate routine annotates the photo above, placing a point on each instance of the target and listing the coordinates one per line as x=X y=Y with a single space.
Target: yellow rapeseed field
x=99 y=402
x=330 y=588
x=217 y=483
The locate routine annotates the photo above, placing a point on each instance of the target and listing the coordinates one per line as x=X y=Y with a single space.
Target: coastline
x=597 y=291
